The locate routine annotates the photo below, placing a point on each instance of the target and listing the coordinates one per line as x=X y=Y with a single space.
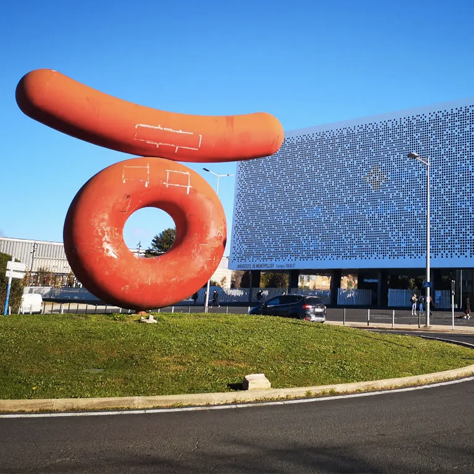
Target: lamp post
x=426 y=162
x=218 y=176
x=33 y=252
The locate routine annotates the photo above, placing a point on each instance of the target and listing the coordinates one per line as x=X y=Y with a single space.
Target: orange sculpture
x=93 y=230
x=82 y=112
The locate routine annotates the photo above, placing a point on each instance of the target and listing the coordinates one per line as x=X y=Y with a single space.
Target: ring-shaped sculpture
x=93 y=233
x=93 y=230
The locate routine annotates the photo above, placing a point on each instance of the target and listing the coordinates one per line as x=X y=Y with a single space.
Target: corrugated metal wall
x=36 y=254
x=50 y=257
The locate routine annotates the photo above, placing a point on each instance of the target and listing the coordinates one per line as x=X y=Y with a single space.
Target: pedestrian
x=414 y=301
x=467 y=309
x=421 y=301
x=432 y=306
x=195 y=297
x=215 y=299
x=259 y=295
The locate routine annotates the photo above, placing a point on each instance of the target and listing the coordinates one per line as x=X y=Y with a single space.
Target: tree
x=240 y=279
x=274 y=280
x=161 y=243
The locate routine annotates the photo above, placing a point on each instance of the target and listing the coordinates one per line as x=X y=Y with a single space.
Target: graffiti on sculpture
x=93 y=229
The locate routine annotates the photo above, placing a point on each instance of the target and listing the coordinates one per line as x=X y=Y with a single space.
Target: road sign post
x=16 y=266
x=14 y=270
x=8 y=296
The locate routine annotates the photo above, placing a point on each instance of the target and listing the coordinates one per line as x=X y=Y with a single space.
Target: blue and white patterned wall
x=346 y=195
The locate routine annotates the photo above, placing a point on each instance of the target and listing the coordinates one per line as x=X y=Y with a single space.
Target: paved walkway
x=458 y=329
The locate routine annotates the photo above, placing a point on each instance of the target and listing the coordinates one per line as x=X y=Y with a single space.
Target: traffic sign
x=14 y=270
x=14 y=274
x=17 y=266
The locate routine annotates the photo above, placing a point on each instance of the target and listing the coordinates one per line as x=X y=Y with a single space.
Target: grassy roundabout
x=69 y=356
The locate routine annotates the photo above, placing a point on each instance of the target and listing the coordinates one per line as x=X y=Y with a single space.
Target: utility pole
x=33 y=252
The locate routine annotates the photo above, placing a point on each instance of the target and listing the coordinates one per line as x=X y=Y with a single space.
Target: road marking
x=234 y=405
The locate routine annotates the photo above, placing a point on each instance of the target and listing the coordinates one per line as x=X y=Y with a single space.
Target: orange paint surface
x=99 y=257
x=88 y=114
x=93 y=230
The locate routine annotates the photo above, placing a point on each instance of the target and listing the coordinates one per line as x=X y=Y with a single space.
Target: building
x=223 y=276
x=43 y=259
x=344 y=199
x=37 y=255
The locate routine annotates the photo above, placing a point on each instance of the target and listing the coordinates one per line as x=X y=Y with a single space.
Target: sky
x=306 y=62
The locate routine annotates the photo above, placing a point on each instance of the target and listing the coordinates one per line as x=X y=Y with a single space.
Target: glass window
x=314 y=301
x=289 y=299
x=274 y=301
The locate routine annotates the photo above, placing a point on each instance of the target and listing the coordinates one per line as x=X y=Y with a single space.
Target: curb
x=226 y=398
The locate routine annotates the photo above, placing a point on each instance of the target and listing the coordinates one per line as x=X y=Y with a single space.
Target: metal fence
x=364 y=317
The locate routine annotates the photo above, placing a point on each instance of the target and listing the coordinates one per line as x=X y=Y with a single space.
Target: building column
x=335 y=285
x=382 y=289
x=254 y=282
x=293 y=280
x=255 y=278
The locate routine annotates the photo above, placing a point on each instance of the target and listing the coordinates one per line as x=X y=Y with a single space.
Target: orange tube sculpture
x=93 y=230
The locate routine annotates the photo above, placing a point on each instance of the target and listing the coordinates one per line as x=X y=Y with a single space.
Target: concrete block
x=256 y=382
x=150 y=320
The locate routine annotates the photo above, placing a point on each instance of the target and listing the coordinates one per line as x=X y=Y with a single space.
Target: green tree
x=274 y=280
x=240 y=279
x=161 y=243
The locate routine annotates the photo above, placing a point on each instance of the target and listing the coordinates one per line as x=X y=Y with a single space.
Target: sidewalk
x=226 y=398
x=408 y=327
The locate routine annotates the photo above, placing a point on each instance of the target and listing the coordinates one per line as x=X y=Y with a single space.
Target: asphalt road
x=421 y=431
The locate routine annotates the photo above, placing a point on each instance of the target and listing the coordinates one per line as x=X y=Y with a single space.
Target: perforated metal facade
x=345 y=195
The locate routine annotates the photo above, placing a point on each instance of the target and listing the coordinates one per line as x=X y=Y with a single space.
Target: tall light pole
x=426 y=162
x=218 y=176
x=33 y=252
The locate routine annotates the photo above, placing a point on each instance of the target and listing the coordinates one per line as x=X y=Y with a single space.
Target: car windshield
x=314 y=301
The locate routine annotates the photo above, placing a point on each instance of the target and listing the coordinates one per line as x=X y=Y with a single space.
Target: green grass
x=62 y=356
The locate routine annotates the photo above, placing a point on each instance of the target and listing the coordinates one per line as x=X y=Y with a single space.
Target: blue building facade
x=345 y=197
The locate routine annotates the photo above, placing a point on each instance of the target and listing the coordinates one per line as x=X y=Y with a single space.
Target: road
x=421 y=431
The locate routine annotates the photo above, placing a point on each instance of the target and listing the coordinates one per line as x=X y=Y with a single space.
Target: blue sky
x=306 y=62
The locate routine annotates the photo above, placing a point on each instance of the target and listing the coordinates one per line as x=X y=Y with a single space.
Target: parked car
x=310 y=308
x=31 y=303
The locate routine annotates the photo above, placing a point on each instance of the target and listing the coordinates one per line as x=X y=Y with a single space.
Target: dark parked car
x=310 y=308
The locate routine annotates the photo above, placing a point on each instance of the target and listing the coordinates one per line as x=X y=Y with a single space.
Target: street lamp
x=218 y=176
x=426 y=162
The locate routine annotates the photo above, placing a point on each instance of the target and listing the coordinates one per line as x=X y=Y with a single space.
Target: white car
x=31 y=303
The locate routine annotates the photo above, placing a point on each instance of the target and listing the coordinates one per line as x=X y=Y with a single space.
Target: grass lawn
x=63 y=356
